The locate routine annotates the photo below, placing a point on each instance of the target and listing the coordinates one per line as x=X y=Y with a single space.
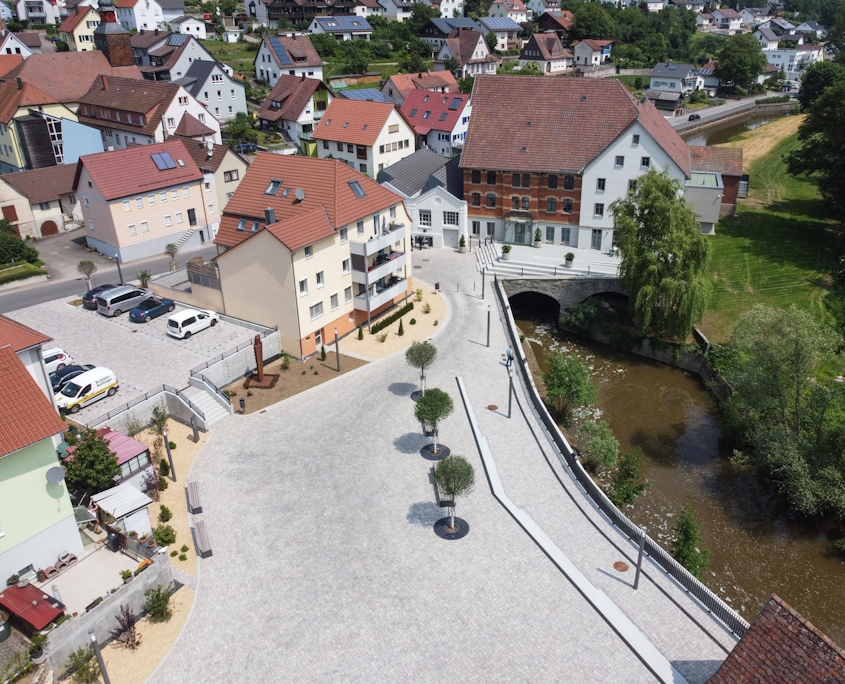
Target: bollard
x=194 y=428
x=640 y=557
x=510 y=390
x=483 y=284
x=243 y=405
x=457 y=287
x=337 y=346
x=488 y=325
x=169 y=455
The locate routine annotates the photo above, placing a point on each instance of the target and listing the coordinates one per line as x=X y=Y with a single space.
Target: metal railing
x=215 y=388
x=727 y=615
x=234 y=350
x=137 y=400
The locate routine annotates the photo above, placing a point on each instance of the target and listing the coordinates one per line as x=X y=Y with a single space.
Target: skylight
x=426 y=115
x=180 y=162
x=364 y=127
x=346 y=125
x=328 y=121
x=357 y=189
x=241 y=225
x=255 y=225
x=273 y=188
x=443 y=116
x=413 y=113
x=425 y=99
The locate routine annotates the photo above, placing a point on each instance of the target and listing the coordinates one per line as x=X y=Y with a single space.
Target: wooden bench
x=194 y=503
x=201 y=538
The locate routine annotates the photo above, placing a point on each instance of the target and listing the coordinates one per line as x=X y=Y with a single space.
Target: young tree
x=597 y=446
x=83 y=666
x=456 y=477
x=465 y=84
x=93 y=465
x=355 y=55
x=687 y=544
x=816 y=79
x=627 y=481
x=241 y=128
x=568 y=384
x=421 y=355
x=452 y=64
x=492 y=40
x=664 y=256
x=87 y=268
x=126 y=632
x=171 y=249
x=741 y=59
x=593 y=21
x=433 y=408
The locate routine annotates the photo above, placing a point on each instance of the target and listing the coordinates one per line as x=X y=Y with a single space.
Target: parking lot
x=142 y=355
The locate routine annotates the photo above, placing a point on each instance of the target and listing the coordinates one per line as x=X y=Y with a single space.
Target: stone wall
x=568 y=292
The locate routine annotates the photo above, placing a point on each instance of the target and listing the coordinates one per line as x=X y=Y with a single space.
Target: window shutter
x=10 y=213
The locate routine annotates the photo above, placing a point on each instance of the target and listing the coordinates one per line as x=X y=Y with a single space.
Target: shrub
x=126 y=632
x=164 y=467
x=183 y=557
x=322 y=352
x=506 y=249
x=599 y=448
x=184 y=548
x=83 y=666
x=426 y=308
x=164 y=514
x=382 y=337
x=392 y=318
x=162 y=484
x=413 y=321
x=165 y=535
x=174 y=553
x=24 y=270
x=401 y=328
x=360 y=333
x=285 y=361
x=419 y=294
x=158 y=603
x=172 y=445
x=125 y=574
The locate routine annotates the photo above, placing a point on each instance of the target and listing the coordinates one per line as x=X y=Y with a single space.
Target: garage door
x=49 y=228
x=450 y=238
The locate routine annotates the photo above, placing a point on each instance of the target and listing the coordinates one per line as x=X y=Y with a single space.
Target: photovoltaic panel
x=159 y=162
x=456 y=102
x=276 y=44
x=177 y=39
x=168 y=160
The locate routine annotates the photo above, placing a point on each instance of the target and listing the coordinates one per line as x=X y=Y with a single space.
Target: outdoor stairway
x=211 y=409
x=187 y=236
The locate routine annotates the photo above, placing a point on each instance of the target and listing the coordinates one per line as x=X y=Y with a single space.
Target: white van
x=185 y=323
x=87 y=388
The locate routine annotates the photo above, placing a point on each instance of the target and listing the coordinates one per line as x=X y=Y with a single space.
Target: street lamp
x=99 y=655
x=117 y=261
x=336 y=350
x=510 y=389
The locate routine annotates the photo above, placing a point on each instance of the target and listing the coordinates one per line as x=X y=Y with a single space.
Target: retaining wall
x=240 y=364
x=143 y=413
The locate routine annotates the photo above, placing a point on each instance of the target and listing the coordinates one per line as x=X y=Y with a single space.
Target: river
x=724 y=132
x=757 y=547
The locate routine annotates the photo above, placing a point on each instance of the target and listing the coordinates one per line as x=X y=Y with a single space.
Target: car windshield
x=54 y=378
x=71 y=389
x=149 y=304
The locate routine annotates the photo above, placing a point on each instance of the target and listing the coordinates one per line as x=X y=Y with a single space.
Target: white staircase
x=187 y=236
x=210 y=407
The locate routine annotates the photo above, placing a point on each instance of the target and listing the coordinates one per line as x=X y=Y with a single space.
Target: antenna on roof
x=299 y=193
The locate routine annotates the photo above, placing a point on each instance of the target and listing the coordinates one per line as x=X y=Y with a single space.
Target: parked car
x=120 y=299
x=56 y=358
x=185 y=323
x=246 y=148
x=61 y=377
x=694 y=117
x=89 y=299
x=150 y=309
x=87 y=388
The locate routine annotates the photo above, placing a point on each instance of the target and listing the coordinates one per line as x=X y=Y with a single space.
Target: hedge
x=19 y=273
x=387 y=320
x=777 y=99
x=13 y=249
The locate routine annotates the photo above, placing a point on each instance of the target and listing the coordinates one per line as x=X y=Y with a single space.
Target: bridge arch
x=567 y=292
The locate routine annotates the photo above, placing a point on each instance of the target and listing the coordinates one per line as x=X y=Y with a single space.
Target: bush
x=25 y=270
x=172 y=445
x=360 y=333
x=392 y=318
x=773 y=100
x=165 y=535
x=174 y=553
x=162 y=484
x=184 y=548
x=158 y=603
x=183 y=557
x=401 y=328
x=62 y=46
x=164 y=514
x=599 y=449
x=164 y=467
x=413 y=321
x=426 y=308
x=285 y=361
x=382 y=337
x=13 y=249
x=83 y=666
x=419 y=294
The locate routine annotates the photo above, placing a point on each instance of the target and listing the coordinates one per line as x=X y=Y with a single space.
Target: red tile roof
x=781 y=647
x=422 y=102
x=594 y=45
x=324 y=181
x=26 y=415
x=42 y=185
x=462 y=44
x=17 y=335
x=548 y=46
x=31 y=605
x=292 y=93
x=302 y=230
x=29 y=38
x=353 y=121
x=435 y=80
x=76 y=18
x=139 y=96
x=108 y=169
x=191 y=127
x=13 y=98
x=199 y=153
x=724 y=160
x=588 y=114
x=562 y=18
x=9 y=62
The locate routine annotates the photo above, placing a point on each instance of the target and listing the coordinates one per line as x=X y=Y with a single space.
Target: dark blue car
x=150 y=309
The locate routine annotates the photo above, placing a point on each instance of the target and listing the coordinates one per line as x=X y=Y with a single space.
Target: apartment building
x=398 y=86
x=167 y=199
x=41 y=202
x=220 y=165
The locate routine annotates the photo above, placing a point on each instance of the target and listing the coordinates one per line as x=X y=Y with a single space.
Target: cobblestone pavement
x=142 y=355
x=326 y=568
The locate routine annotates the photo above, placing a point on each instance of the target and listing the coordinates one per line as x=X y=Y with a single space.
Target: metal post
x=640 y=557
x=510 y=390
x=99 y=655
x=243 y=405
x=117 y=261
x=483 y=281
x=337 y=350
x=169 y=455
x=488 y=325
x=194 y=428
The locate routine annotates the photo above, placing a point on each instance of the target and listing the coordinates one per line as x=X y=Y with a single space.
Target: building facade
x=292 y=54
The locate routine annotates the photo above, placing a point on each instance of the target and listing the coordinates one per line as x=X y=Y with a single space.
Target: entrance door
x=450 y=238
x=318 y=339
x=192 y=217
x=202 y=236
x=596 y=241
x=49 y=228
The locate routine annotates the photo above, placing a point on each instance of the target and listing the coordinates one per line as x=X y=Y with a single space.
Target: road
x=718 y=111
x=45 y=292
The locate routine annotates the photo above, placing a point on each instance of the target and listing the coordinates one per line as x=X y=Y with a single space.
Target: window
x=476 y=177
x=340 y=147
x=357 y=189
x=127 y=205
x=515 y=181
x=320 y=279
x=567 y=206
x=72 y=199
x=636 y=140
x=645 y=162
x=620 y=161
x=316 y=310
x=183 y=101
x=303 y=287
x=550 y=234
x=350 y=148
x=600 y=184
x=308 y=252
x=174 y=193
x=525 y=203
x=491 y=178
x=347 y=294
x=360 y=226
x=333 y=301
x=145 y=227
x=491 y=228
x=476 y=199
x=273 y=188
x=381 y=148
x=595 y=242
x=393 y=212
x=132 y=230
x=178 y=217
x=362 y=168
x=425 y=218
x=514 y=202
x=151 y=199
x=186 y=192
x=526 y=180
x=476 y=227
x=450 y=218
x=345 y=265
x=44 y=206
x=139 y=202
x=394 y=128
x=551 y=205
x=552 y=182
x=229 y=176
x=569 y=182
x=564 y=236
x=598 y=210
x=326 y=145
x=163 y=196
x=632 y=185
x=210 y=208
x=343 y=236
x=168 y=221
x=201 y=117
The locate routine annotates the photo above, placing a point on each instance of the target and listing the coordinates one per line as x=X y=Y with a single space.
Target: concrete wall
x=73 y=634
x=242 y=363
x=196 y=295
x=143 y=411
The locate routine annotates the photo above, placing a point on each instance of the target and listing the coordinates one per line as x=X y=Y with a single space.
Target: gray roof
x=499 y=24
x=184 y=18
x=197 y=75
x=341 y=24
x=371 y=94
x=446 y=26
x=411 y=174
x=672 y=70
x=665 y=95
x=172 y=4
x=768 y=34
x=450 y=177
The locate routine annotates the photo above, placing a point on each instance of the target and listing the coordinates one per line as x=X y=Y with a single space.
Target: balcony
x=381 y=268
x=382 y=297
x=395 y=232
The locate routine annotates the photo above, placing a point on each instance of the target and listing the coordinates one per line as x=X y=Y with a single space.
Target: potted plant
x=41 y=575
x=12 y=580
x=506 y=252
x=538 y=238
x=36 y=648
x=569 y=257
x=126 y=575
x=462 y=245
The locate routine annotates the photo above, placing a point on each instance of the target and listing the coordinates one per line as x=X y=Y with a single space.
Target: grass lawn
x=780 y=250
x=630 y=83
x=19 y=272
x=236 y=55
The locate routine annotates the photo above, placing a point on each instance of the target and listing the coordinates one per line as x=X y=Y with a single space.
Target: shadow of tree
x=424 y=513
x=410 y=443
x=401 y=389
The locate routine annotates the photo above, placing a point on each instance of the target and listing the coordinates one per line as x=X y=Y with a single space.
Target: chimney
x=269 y=216
x=303 y=76
x=20 y=83
x=76 y=10
x=105 y=82
x=419 y=75
x=141 y=32
x=156 y=32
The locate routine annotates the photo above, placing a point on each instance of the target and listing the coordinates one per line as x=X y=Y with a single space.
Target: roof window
x=357 y=189
x=443 y=116
x=273 y=188
x=427 y=114
x=413 y=113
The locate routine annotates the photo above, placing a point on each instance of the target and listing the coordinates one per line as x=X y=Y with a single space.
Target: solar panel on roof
x=456 y=102
x=443 y=116
x=168 y=160
x=177 y=39
x=279 y=50
x=159 y=162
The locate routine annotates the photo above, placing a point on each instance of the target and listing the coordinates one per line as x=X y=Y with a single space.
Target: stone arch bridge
x=567 y=292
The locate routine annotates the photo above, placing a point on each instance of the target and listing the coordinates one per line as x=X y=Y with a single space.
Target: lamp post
x=117 y=261
x=337 y=348
x=99 y=655
x=510 y=389
x=640 y=557
x=169 y=455
x=488 y=325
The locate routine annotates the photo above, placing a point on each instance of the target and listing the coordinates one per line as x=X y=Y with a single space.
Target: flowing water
x=757 y=547
x=725 y=132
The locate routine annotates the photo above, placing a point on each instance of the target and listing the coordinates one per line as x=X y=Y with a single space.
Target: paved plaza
x=326 y=568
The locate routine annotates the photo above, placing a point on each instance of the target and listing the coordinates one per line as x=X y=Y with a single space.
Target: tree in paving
x=664 y=256
x=87 y=268
x=687 y=544
x=455 y=477
x=597 y=446
x=816 y=79
x=433 y=408
x=171 y=249
x=568 y=384
x=93 y=466
x=741 y=60
x=421 y=355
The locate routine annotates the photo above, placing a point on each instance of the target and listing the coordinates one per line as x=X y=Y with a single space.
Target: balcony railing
x=382 y=297
x=395 y=233
x=380 y=268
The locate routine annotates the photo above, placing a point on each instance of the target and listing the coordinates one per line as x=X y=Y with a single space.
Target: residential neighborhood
x=442 y=341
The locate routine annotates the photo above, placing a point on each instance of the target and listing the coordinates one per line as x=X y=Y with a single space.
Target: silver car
x=123 y=298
